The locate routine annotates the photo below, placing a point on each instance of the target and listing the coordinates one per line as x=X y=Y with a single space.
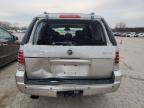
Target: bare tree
x=15 y=26
x=23 y=28
x=6 y=25
x=10 y=26
x=120 y=26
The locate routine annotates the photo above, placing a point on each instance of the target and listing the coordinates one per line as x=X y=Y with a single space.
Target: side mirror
x=15 y=38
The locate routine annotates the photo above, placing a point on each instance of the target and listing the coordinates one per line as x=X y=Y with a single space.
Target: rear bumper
x=52 y=90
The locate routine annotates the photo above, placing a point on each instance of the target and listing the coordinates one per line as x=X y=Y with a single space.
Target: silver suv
x=68 y=54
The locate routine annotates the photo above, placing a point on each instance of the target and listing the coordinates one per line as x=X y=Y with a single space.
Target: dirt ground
x=129 y=95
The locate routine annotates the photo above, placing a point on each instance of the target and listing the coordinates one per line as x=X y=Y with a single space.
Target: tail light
x=21 y=61
x=21 y=57
x=116 y=61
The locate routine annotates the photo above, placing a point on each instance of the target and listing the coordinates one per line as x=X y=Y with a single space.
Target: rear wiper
x=63 y=43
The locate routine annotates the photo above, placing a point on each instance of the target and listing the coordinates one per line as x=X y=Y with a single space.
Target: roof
x=69 y=16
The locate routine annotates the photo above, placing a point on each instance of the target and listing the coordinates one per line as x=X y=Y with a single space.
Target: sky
x=131 y=12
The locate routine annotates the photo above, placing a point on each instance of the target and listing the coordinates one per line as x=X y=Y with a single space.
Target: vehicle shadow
x=99 y=101
x=73 y=102
x=8 y=65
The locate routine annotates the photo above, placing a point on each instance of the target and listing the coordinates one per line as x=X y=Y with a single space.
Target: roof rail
x=92 y=15
x=45 y=13
x=46 y=17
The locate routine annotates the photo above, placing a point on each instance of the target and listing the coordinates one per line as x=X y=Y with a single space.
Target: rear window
x=69 y=33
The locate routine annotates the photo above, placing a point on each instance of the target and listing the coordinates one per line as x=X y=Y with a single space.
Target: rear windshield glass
x=69 y=32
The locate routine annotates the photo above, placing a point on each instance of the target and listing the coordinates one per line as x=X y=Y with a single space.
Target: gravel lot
x=129 y=95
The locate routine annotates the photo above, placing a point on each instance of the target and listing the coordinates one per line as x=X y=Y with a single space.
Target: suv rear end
x=68 y=54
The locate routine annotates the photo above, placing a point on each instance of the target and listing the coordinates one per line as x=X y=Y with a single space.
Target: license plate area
x=70 y=93
x=70 y=70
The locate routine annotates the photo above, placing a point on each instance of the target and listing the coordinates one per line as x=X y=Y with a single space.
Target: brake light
x=69 y=16
x=116 y=61
x=21 y=58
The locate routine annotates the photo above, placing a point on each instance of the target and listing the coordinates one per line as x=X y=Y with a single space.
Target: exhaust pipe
x=34 y=97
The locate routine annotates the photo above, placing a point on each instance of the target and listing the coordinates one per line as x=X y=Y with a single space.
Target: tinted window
x=69 y=32
x=28 y=32
x=5 y=35
x=110 y=33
